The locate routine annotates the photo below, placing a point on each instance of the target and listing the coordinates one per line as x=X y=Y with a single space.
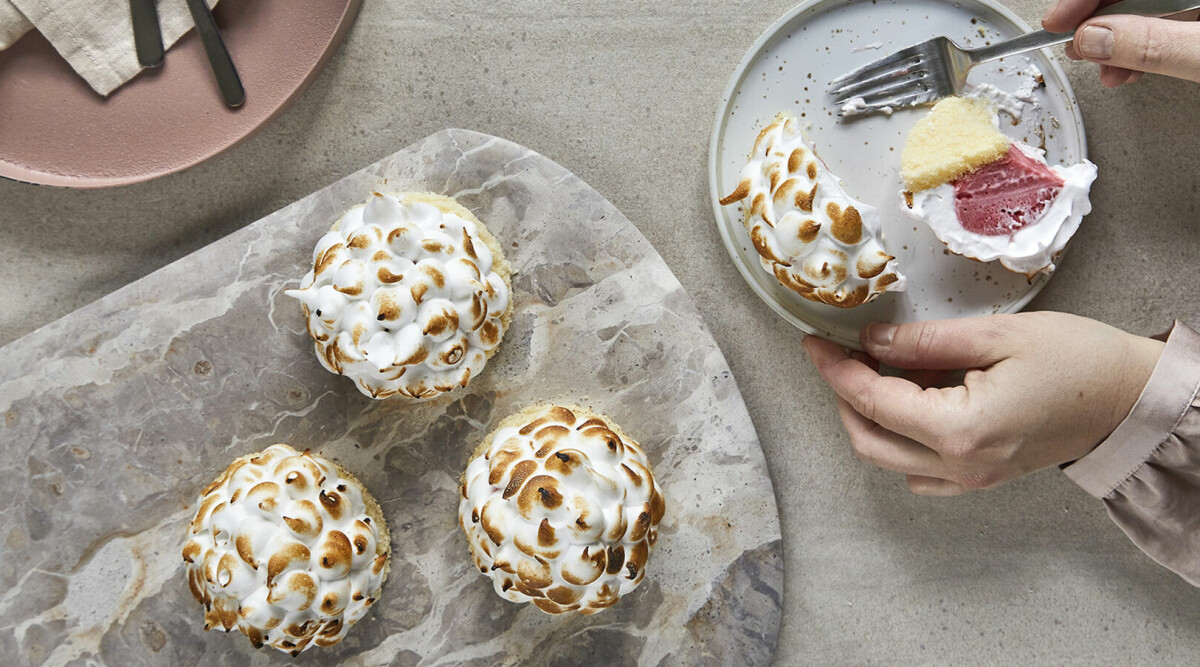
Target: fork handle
x=1042 y=38
x=228 y=81
x=147 y=36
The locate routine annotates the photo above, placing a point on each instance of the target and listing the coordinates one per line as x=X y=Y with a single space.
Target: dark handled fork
x=938 y=68
x=218 y=56
x=147 y=36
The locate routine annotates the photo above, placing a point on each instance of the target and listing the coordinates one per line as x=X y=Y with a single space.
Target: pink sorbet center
x=1005 y=195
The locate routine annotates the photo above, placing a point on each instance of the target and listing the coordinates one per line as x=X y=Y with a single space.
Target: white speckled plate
x=788 y=69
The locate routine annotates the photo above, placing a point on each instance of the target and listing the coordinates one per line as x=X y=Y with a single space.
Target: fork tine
x=878 y=66
x=887 y=105
x=887 y=81
x=910 y=86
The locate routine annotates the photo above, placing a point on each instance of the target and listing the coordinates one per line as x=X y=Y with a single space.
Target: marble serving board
x=116 y=416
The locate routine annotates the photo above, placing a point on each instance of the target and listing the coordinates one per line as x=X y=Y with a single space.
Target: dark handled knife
x=218 y=56
x=147 y=37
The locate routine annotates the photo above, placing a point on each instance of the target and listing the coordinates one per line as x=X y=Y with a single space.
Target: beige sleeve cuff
x=1164 y=403
x=1147 y=472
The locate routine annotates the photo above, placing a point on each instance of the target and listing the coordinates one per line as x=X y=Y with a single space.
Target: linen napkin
x=94 y=36
x=13 y=24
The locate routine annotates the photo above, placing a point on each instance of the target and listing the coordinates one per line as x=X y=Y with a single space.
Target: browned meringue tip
x=737 y=195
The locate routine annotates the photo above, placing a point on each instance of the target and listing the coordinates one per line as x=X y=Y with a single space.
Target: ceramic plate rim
x=718 y=136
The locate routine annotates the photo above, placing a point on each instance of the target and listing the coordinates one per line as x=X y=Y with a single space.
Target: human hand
x=1128 y=46
x=1042 y=389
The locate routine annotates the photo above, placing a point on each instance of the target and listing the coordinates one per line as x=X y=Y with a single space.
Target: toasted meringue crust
x=560 y=508
x=812 y=236
x=287 y=547
x=409 y=295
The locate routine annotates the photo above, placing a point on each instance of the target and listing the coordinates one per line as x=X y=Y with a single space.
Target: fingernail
x=881 y=334
x=1095 y=43
x=1049 y=13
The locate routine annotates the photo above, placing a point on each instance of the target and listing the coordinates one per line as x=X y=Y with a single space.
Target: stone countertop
x=623 y=94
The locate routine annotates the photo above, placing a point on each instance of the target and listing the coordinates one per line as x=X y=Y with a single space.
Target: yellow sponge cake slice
x=956 y=138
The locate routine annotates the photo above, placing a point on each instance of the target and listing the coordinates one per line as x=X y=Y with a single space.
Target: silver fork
x=938 y=68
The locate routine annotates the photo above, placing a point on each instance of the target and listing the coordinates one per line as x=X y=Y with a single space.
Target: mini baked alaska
x=288 y=548
x=986 y=196
x=560 y=508
x=409 y=295
x=813 y=237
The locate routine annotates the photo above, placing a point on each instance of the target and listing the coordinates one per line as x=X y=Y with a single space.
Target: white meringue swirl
x=812 y=236
x=561 y=509
x=408 y=296
x=287 y=548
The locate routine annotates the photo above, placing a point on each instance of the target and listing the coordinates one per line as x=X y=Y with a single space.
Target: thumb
x=974 y=342
x=1142 y=44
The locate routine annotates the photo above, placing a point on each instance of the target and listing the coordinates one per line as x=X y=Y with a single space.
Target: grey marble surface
x=623 y=93
x=124 y=410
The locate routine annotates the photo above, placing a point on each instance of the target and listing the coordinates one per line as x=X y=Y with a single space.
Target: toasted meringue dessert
x=560 y=508
x=987 y=197
x=288 y=548
x=409 y=295
x=813 y=237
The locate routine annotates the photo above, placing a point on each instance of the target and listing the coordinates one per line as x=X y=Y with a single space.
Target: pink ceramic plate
x=55 y=130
